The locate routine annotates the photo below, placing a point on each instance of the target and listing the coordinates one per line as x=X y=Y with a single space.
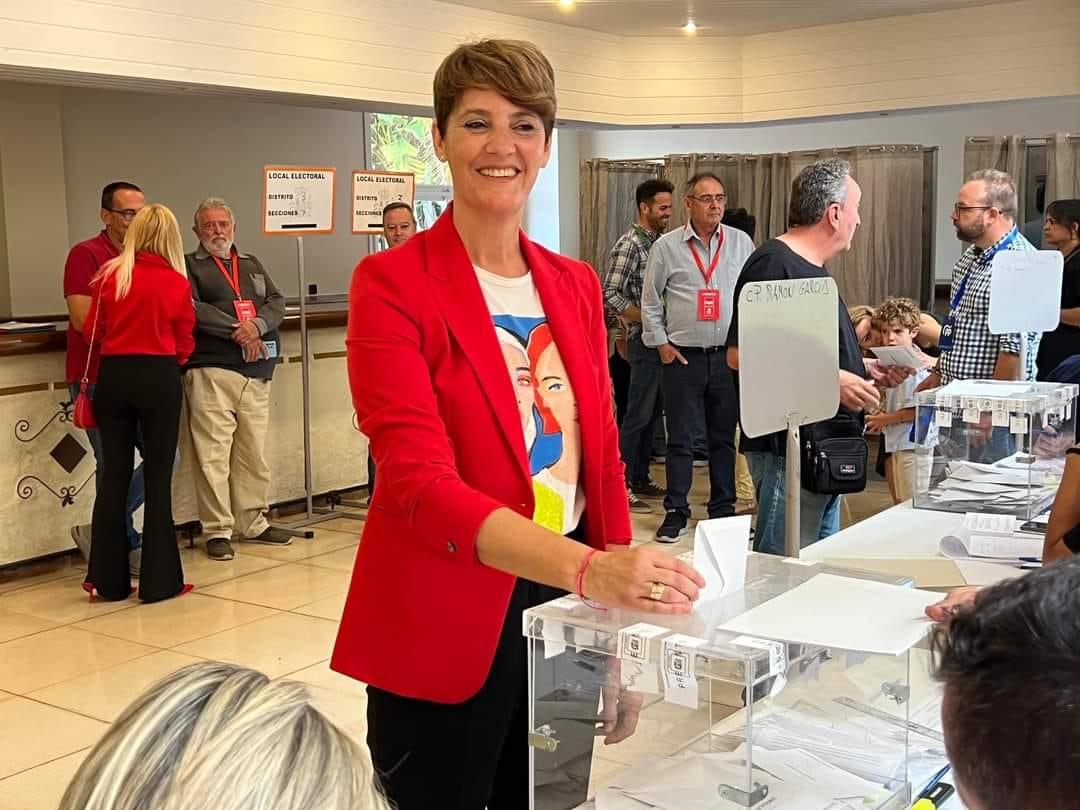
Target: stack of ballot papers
x=1005 y=485
x=797 y=780
x=992 y=538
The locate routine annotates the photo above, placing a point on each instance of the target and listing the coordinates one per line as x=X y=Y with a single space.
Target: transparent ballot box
x=632 y=710
x=992 y=446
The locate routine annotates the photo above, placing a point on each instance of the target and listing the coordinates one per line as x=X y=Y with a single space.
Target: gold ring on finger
x=656 y=593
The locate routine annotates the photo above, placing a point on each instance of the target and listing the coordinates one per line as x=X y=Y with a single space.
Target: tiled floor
x=68 y=667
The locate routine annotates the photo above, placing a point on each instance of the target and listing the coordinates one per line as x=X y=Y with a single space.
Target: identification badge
x=708 y=305
x=947 y=327
x=245 y=309
x=271 y=349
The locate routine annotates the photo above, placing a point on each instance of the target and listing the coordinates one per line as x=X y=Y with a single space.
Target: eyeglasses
x=959 y=209
x=127 y=214
x=708 y=199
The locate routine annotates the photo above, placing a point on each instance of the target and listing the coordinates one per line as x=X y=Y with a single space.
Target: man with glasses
x=227 y=383
x=985 y=217
x=120 y=202
x=686 y=307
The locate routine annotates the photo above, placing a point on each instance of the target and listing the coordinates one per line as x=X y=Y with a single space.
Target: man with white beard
x=227 y=383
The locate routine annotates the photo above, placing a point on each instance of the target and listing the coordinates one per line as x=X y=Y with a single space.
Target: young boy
x=897 y=320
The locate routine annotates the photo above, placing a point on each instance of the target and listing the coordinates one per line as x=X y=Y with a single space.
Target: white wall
x=945 y=129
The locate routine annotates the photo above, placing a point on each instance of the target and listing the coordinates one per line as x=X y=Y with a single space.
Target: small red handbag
x=84 y=406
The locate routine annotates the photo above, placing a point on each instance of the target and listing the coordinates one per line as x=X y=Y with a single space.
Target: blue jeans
x=819 y=515
x=136 y=490
x=637 y=434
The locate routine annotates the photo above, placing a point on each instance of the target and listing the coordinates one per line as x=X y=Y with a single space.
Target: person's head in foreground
x=1010 y=665
x=214 y=736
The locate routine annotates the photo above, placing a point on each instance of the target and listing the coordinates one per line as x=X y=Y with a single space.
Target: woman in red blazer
x=141 y=319
x=478 y=366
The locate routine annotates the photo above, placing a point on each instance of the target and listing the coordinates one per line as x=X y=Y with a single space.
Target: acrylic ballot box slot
x=631 y=710
x=992 y=446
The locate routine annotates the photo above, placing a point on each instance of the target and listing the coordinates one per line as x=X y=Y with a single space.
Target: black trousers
x=136 y=392
x=475 y=755
x=702 y=392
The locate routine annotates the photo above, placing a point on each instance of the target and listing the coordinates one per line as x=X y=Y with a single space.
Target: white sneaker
x=81 y=536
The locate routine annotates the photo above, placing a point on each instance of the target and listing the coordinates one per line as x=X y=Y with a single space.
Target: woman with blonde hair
x=141 y=319
x=214 y=736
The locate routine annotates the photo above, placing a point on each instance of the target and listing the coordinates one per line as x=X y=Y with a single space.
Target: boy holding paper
x=897 y=321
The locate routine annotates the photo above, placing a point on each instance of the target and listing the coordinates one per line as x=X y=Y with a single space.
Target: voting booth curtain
x=607 y=203
x=890 y=253
x=1006 y=153
x=1062 y=167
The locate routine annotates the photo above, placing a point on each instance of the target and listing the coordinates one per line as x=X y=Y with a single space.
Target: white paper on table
x=978 y=523
x=904 y=356
x=842 y=612
x=976 y=572
x=720 y=548
x=796 y=766
x=962 y=544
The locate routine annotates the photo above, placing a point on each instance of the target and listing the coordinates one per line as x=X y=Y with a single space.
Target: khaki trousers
x=227 y=416
x=744 y=484
x=906 y=472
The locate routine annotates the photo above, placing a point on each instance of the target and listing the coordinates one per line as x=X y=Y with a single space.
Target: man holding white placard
x=985 y=216
x=822 y=217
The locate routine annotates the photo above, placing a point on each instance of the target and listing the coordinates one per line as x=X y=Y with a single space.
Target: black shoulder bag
x=834 y=456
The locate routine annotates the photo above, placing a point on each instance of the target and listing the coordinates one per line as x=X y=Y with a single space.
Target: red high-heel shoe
x=91 y=590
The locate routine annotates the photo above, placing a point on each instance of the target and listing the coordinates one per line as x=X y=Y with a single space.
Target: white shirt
x=545 y=398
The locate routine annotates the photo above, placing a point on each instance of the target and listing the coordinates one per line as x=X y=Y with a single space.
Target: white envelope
x=720 y=548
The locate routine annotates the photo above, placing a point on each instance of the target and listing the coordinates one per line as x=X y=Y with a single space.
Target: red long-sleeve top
x=156 y=317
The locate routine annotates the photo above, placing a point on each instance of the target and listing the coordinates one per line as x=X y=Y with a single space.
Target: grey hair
x=1000 y=190
x=815 y=188
x=211 y=203
x=214 y=735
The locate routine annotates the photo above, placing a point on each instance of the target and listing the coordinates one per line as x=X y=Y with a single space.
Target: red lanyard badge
x=245 y=309
x=708 y=300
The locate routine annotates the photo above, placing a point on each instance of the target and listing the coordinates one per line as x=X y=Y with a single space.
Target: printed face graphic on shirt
x=517 y=363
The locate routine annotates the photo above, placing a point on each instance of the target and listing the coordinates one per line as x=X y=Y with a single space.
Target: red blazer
x=432 y=391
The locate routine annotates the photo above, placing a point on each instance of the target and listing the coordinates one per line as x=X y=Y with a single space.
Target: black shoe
x=673 y=528
x=637 y=506
x=218 y=548
x=701 y=460
x=650 y=489
x=271 y=537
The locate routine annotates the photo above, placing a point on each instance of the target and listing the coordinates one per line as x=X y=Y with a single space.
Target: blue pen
x=937 y=777
x=1030 y=559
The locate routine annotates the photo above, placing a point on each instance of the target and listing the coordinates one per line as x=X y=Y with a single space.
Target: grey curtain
x=886 y=254
x=607 y=203
x=886 y=257
x=1062 y=167
x=1006 y=153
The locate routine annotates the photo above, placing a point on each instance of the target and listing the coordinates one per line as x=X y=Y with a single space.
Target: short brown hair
x=514 y=69
x=901 y=310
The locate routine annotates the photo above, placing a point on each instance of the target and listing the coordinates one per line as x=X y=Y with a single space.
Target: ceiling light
x=566 y=3
x=690 y=27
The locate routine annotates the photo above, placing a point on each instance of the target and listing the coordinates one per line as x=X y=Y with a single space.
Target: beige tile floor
x=68 y=667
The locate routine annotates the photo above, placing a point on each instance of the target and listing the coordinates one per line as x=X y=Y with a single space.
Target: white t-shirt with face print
x=547 y=407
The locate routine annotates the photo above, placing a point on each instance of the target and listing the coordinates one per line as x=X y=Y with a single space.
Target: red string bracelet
x=581 y=572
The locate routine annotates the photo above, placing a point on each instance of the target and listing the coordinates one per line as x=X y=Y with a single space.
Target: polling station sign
x=373 y=191
x=298 y=199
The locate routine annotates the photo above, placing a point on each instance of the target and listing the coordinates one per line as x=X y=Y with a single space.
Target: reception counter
x=46 y=481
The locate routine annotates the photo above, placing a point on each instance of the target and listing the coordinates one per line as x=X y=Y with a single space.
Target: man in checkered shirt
x=622 y=295
x=985 y=216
